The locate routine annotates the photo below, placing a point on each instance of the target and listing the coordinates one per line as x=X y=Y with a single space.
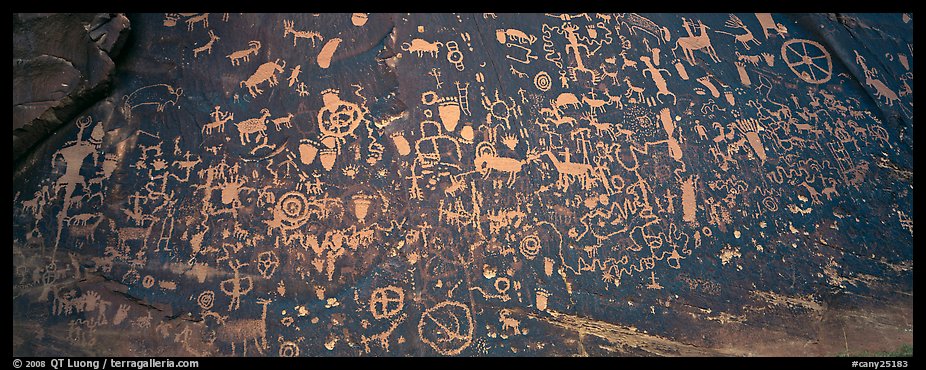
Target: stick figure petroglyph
x=237 y=286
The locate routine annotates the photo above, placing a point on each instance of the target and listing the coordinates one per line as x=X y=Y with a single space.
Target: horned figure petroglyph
x=736 y=23
x=635 y=22
x=245 y=54
x=80 y=225
x=159 y=95
x=570 y=171
x=420 y=46
x=241 y=331
x=881 y=89
x=501 y=35
x=691 y=43
x=81 y=219
x=487 y=160
x=627 y=62
x=557 y=117
x=596 y=105
x=751 y=59
x=830 y=190
x=504 y=317
x=267 y=72
x=208 y=46
x=607 y=128
x=299 y=34
x=631 y=89
x=253 y=125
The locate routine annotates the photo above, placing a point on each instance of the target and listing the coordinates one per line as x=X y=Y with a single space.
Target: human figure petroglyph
x=238 y=56
x=435 y=72
x=573 y=45
x=300 y=34
x=219 y=119
x=656 y=75
x=234 y=288
x=691 y=43
x=75 y=154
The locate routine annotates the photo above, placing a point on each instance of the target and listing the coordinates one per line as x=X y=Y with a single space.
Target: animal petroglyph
x=245 y=55
x=421 y=46
x=207 y=47
x=299 y=34
x=267 y=72
x=691 y=43
x=370 y=206
x=158 y=95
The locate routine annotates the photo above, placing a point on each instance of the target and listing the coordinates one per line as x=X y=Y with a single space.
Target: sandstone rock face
x=462 y=185
x=62 y=64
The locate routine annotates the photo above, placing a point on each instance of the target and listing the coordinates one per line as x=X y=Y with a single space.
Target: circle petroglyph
x=542 y=81
x=387 y=302
x=294 y=209
x=206 y=300
x=447 y=327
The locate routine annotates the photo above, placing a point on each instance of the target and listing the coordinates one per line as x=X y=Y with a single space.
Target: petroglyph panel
x=490 y=184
